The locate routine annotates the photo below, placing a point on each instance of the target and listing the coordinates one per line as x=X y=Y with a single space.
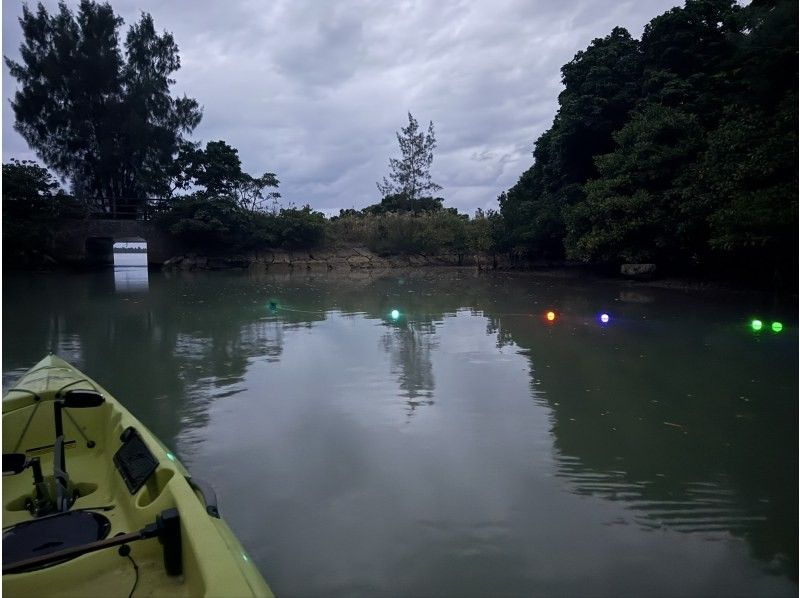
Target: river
x=463 y=445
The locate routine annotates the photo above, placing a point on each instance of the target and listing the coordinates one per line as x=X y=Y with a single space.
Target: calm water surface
x=468 y=448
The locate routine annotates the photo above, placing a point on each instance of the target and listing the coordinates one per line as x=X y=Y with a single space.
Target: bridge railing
x=142 y=211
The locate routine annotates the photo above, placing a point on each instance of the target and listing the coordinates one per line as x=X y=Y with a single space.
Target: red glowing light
x=551 y=316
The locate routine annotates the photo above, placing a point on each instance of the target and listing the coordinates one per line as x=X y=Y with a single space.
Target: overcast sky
x=315 y=91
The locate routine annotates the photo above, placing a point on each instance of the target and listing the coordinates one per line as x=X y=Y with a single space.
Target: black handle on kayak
x=208 y=494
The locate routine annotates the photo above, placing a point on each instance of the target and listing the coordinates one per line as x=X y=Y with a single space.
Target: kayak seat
x=50 y=534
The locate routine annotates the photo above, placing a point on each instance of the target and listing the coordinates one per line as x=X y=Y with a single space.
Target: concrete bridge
x=91 y=242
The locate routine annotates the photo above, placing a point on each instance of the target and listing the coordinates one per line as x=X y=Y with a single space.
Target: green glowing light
x=756 y=325
x=777 y=327
x=170 y=456
x=395 y=314
x=244 y=556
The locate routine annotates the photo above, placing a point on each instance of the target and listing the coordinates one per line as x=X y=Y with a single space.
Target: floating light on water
x=551 y=316
x=604 y=318
x=756 y=325
x=395 y=314
x=170 y=456
x=777 y=327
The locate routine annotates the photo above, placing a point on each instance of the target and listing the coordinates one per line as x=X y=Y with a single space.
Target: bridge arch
x=91 y=242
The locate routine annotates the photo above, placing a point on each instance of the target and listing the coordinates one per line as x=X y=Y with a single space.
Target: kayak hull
x=213 y=563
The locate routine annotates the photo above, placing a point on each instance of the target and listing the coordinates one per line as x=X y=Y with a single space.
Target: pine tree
x=410 y=175
x=98 y=112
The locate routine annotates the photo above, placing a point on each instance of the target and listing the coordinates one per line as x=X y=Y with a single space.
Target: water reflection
x=130 y=272
x=689 y=425
x=409 y=345
x=130 y=279
x=672 y=419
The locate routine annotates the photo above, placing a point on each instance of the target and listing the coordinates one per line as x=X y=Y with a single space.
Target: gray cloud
x=314 y=91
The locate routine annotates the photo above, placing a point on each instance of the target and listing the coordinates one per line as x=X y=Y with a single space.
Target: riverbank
x=362 y=261
x=359 y=259
x=340 y=259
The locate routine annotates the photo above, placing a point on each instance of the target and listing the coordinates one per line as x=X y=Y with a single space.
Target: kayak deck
x=102 y=573
x=213 y=561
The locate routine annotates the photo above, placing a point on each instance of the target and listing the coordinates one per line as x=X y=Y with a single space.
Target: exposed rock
x=281 y=258
x=343 y=259
x=317 y=265
x=173 y=262
x=635 y=297
x=258 y=266
x=358 y=261
x=638 y=271
x=48 y=261
x=279 y=266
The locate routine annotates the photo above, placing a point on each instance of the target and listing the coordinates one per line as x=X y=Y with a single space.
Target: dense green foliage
x=97 y=114
x=680 y=148
x=103 y=118
x=407 y=232
x=227 y=210
x=400 y=202
x=216 y=223
x=217 y=171
x=32 y=201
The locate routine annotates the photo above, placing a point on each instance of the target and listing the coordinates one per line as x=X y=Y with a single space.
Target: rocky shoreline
x=345 y=259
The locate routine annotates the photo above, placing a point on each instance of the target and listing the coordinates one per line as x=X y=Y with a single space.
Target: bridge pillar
x=99 y=251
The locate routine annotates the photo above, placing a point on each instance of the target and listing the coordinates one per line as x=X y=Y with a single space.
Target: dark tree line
x=679 y=148
x=99 y=112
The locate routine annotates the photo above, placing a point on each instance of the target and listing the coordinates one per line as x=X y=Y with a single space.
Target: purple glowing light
x=604 y=318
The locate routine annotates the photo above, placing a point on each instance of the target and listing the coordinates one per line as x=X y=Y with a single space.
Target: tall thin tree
x=410 y=175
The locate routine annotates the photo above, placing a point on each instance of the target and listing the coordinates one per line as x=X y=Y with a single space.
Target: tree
x=410 y=175
x=685 y=53
x=680 y=148
x=643 y=205
x=32 y=201
x=96 y=115
x=399 y=202
x=601 y=87
x=749 y=172
x=217 y=170
x=226 y=208
x=26 y=182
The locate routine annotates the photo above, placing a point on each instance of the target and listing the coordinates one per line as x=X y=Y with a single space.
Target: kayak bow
x=95 y=505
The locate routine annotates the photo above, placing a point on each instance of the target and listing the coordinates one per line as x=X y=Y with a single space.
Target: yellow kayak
x=95 y=505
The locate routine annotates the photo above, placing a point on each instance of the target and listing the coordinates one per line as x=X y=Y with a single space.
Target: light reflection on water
x=466 y=448
x=130 y=272
x=130 y=279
